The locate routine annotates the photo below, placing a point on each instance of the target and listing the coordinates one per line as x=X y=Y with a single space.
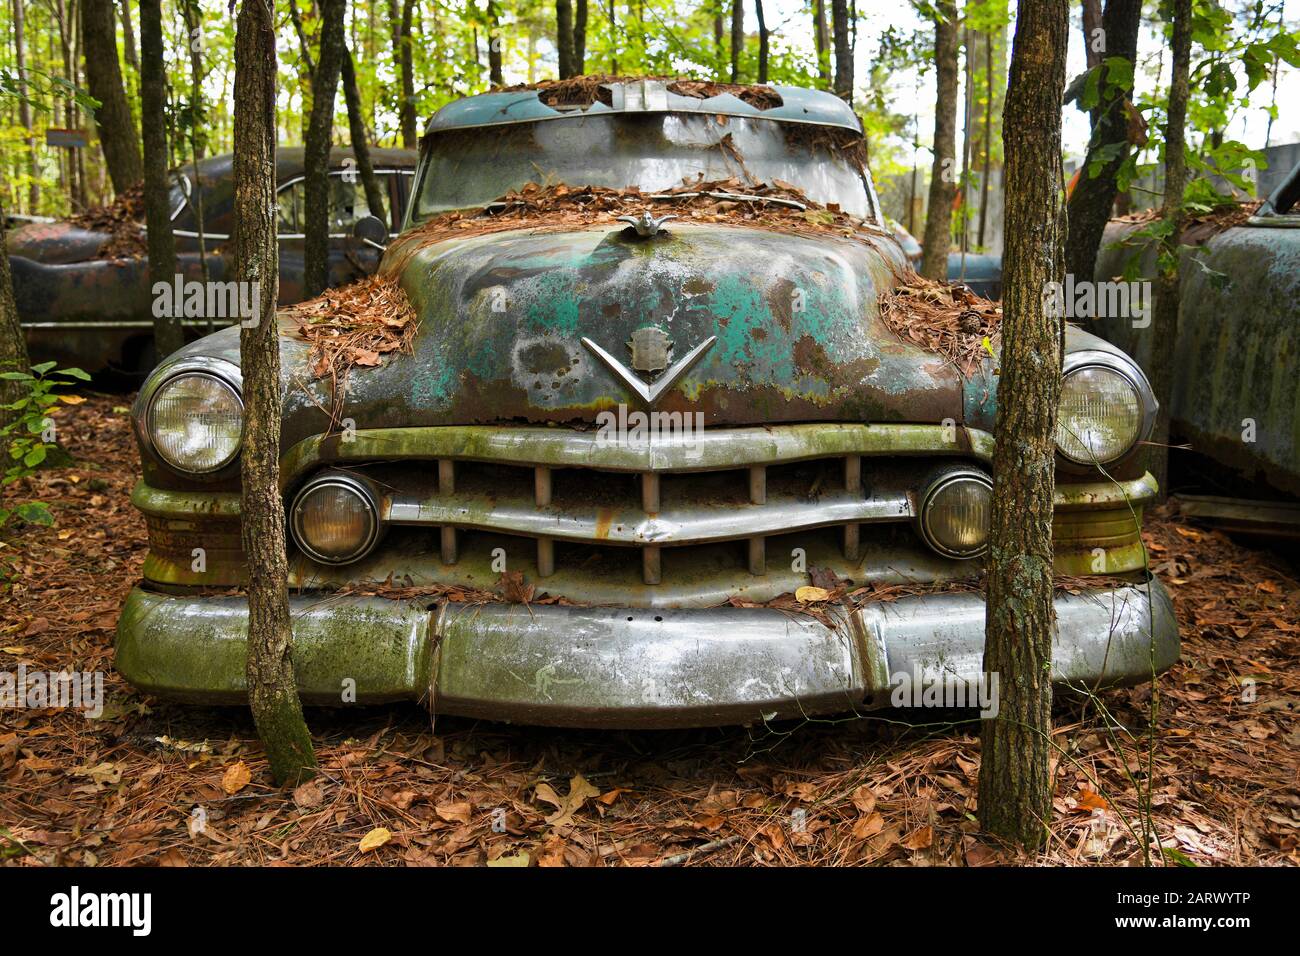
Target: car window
x=347 y=204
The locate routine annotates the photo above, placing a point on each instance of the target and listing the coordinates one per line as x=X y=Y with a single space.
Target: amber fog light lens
x=196 y=423
x=335 y=520
x=955 y=514
x=1100 y=415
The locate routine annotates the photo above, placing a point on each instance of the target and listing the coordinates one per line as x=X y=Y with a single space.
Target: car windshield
x=468 y=168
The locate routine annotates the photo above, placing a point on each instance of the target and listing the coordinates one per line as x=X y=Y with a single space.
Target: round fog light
x=955 y=514
x=335 y=519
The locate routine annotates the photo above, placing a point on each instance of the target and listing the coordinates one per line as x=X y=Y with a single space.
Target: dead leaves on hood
x=355 y=325
x=947 y=318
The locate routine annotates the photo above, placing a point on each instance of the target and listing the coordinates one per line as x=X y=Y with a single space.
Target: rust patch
x=546 y=358
x=810 y=358
x=604 y=518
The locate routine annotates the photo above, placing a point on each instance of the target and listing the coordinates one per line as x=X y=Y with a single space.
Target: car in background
x=84 y=292
x=981 y=271
x=1236 y=388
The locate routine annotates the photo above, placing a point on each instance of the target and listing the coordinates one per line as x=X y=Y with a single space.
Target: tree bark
x=579 y=37
x=272 y=689
x=316 y=149
x=1092 y=22
x=822 y=39
x=361 y=140
x=1093 y=197
x=495 y=77
x=167 y=334
x=564 y=37
x=763 y=40
x=1015 y=779
x=843 y=50
x=13 y=344
x=104 y=81
x=943 y=171
x=1164 y=319
x=737 y=37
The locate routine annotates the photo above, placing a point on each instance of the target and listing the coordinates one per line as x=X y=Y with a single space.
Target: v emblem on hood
x=650 y=393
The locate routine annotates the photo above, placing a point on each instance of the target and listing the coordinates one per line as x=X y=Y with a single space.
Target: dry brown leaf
x=374 y=839
x=236 y=777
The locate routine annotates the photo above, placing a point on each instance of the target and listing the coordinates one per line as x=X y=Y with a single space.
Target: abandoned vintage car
x=84 y=292
x=468 y=531
x=1239 y=311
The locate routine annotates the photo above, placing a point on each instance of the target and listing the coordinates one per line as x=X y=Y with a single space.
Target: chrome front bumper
x=626 y=667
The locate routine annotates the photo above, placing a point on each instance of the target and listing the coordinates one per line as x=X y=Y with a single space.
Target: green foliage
x=29 y=435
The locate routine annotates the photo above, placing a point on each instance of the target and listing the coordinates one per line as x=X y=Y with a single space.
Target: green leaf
x=34 y=457
x=16 y=377
x=43 y=367
x=1178 y=856
x=35 y=512
x=75 y=373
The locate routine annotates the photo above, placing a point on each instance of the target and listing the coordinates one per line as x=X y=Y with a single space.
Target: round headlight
x=1100 y=415
x=335 y=519
x=955 y=514
x=196 y=422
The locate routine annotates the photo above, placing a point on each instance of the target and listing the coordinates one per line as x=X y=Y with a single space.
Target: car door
x=349 y=258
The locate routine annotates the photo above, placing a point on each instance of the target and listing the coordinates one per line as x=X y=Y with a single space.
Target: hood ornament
x=650 y=348
x=646 y=225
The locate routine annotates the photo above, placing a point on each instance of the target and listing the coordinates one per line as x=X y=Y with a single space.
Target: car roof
x=525 y=105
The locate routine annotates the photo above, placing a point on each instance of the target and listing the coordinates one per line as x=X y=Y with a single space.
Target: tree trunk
x=821 y=37
x=128 y=36
x=718 y=31
x=1015 y=779
x=104 y=81
x=1093 y=197
x=272 y=690
x=167 y=334
x=580 y=37
x=737 y=38
x=762 y=41
x=1164 y=320
x=564 y=37
x=316 y=149
x=13 y=344
x=361 y=140
x=943 y=171
x=843 y=50
x=1092 y=22
x=403 y=63
x=495 y=77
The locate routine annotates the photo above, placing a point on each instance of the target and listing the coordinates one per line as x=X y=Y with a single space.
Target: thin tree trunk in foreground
x=1164 y=320
x=25 y=111
x=272 y=690
x=1093 y=196
x=167 y=334
x=495 y=77
x=943 y=171
x=104 y=81
x=316 y=148
x=361 y=141
x=822 y=40
x=579 y=37
x=564 y=37
x=843 y=50
x=13 y=345
x=763 y=41
x=737 y=38
x=1015 y=778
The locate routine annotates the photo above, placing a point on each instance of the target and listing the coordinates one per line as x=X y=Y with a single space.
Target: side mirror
x=372 y=231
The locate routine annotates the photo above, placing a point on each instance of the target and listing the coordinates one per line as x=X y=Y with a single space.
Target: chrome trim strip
x=632 y=527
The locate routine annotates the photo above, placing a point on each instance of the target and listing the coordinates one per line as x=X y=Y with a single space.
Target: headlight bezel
x=223 y=372
x=1119 y=364
x=933 y=486
x=352 y=483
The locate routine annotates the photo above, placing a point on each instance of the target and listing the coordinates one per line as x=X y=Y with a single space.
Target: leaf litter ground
x=153 y=783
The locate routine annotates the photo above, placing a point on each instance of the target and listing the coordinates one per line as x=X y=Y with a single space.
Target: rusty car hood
x=797 y=334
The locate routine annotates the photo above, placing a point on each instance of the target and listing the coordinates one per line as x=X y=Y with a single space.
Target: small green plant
x=29 y=435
